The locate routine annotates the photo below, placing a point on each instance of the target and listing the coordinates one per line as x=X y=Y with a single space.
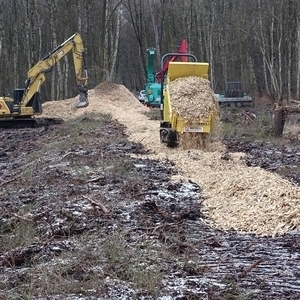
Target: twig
x=246 y=271
x=95 y=203
x=165 y=225
x=295 y=101
x=96 y=178
x=148 y=193
x=154 y=228
x=22 y=218
x=65 y=155
x=8 y=181
x=249 y=119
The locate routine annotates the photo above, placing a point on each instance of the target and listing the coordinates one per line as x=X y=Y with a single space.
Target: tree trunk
x=115 y=45
x=102 y=40
x=15 y=44
x=52 y=10
x=298 y=59
x=210 y=42
x=155 y=27
x=261 y=40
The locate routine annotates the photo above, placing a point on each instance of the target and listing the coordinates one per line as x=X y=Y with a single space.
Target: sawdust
x=246 y=199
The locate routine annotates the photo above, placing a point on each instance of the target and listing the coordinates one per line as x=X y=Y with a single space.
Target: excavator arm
x=36 y=75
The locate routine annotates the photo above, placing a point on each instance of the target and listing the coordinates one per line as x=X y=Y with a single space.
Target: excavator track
x=15 y=123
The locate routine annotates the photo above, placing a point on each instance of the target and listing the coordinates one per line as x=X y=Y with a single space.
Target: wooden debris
x=247 y=270
x=96 y=203
x=96 y=179
x=22 y=218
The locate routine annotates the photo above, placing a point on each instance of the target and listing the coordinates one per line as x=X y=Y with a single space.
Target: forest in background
x=253 y=41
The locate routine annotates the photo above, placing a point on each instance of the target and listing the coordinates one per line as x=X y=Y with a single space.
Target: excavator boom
x=35 y=76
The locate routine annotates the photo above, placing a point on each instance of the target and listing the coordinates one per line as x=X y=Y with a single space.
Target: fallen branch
x=249 y=119
x=154 y=228
x=96 y=178
x=8 y=181
x=165 y=225
x=246 y=271
x=295 y=101
x=22 y=218
x=95 y=203
x=65 y=155
x=293 y=109
x=148 y=193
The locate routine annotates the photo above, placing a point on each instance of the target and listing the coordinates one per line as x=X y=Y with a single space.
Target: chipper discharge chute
x=189 y=107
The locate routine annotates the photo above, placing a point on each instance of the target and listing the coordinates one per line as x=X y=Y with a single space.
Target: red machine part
x=182 y=49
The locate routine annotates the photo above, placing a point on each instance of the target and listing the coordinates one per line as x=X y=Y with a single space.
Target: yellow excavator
x=21 y=109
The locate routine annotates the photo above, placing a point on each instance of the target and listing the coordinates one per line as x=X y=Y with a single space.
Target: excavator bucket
x=83 y=97
x=83 y=101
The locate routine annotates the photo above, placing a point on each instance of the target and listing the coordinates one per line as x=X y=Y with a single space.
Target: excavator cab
x=35 y=101
x=18 y=95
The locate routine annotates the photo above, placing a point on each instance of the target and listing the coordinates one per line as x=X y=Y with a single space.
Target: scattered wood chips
x=247 y=199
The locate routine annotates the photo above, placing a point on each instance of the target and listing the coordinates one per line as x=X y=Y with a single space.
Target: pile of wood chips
x=192 y=97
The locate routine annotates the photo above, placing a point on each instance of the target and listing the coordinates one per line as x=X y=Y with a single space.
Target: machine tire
x=172 y=139
x=163 y=135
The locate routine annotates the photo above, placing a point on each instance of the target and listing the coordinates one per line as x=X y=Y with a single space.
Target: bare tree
x=254 y=41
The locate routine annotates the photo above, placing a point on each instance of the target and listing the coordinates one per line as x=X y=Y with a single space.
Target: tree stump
x=280 y=115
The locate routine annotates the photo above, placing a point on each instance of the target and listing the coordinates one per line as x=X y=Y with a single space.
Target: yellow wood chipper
x=173 y=125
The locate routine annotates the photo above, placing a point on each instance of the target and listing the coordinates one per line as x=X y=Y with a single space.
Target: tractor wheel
x=172 y=139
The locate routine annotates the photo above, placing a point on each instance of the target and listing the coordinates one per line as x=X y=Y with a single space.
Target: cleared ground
x=98 y=209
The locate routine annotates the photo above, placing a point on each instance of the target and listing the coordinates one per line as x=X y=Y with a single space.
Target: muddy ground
x=87 y=214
